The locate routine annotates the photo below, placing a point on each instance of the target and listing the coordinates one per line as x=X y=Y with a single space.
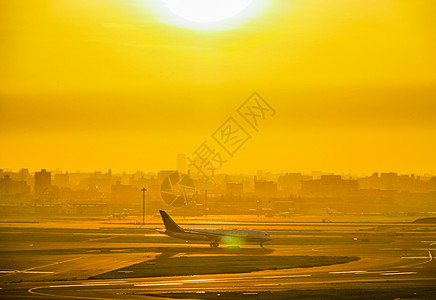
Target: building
x=165 y=173
x=62 y=180
x=13 y=187
x=388 y=181
x=42 y=181
x=291 y=182
x=125 y=192
x=265 y=188
x=329 y=185
x=235 y=189
x=181 y=163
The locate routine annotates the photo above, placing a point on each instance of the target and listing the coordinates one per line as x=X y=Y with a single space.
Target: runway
x=405 y=260
x=269 y=280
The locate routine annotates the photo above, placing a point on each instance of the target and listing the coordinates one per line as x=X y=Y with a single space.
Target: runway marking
x=159 y=284
x=198 y=280
x=55 y=263
x=165 y=281
x=372 y=272
x=347 y=281
x=7 y=272
x=175 y=282
x=398 y=273
x=154 y=234
x=32 y=291
x=348 y=272
x=286 y=276
x=24 y=272
x=386 y=271
x=77 y=285
x=109 y=282
x=101 y=239
x=37 y=272
x=424 y=249
x=431 y=242
x=430 y=258
x=414 y=257
x=388 y=249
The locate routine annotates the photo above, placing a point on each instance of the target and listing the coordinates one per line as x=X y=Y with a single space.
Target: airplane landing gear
x=214 y=245
x=261 y=245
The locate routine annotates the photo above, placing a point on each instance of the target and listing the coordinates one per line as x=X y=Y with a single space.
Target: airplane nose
x=269 y=238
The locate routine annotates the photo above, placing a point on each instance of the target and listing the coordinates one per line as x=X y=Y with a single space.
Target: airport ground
x=351 y=257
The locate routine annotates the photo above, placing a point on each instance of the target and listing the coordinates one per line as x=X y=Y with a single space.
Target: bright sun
x=207 y=11
x=208 y=14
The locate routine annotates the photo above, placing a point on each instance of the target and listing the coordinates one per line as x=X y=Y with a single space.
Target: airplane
x=214 y=236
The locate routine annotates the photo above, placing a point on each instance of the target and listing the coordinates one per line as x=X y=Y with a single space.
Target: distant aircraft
x=214 y=236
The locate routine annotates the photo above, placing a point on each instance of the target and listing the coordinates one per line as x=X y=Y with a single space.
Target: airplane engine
x=231 y=240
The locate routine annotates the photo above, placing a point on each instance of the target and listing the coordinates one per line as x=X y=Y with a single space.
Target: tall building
x=42 y=181
x=181 y=163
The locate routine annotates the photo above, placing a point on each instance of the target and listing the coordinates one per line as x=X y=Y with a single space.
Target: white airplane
x=214 y=236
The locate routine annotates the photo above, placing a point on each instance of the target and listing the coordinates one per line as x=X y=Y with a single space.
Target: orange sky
x=115 y=84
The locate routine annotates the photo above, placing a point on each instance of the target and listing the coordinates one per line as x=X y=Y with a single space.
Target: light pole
x=143 y=205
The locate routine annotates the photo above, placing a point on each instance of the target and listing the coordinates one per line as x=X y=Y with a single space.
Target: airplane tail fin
x=170 y=225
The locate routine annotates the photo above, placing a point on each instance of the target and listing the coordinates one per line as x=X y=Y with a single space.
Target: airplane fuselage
x=225 y=236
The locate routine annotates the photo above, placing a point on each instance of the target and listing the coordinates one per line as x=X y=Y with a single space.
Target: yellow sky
x=108 y=84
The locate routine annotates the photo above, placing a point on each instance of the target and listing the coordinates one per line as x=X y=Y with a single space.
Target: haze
x=193 y=149
x=96 y=85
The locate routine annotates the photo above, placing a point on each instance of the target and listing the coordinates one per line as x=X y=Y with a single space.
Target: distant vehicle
x=121 y=215
x=333 y=212
x=214 y=236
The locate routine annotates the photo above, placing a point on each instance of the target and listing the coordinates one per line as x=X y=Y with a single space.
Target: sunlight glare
x=207 y=11
x=208 y=14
